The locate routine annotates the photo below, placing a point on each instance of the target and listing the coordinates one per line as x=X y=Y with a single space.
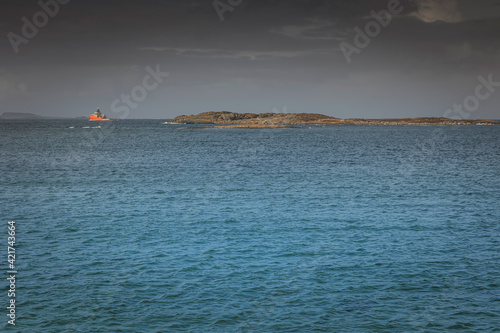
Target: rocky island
x=276 y=120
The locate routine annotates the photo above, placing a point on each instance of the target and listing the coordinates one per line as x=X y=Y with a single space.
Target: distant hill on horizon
x=23 y=115
x=19 y=115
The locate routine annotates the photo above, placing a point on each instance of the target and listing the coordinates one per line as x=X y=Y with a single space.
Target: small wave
x=171 y=123
x=91 y=127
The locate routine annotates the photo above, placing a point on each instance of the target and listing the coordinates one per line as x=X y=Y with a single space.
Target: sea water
x=141 y=226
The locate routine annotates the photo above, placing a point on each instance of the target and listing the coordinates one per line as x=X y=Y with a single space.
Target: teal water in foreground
x=138 y=226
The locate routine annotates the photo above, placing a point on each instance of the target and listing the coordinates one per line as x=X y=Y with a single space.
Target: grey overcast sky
x=264 y=56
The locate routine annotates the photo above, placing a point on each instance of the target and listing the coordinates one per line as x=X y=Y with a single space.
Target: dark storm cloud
x=271 y=53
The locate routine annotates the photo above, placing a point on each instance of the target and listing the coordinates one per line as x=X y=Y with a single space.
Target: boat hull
x=94 y=118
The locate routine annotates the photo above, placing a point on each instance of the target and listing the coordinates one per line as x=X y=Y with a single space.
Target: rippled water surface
x=138 y=226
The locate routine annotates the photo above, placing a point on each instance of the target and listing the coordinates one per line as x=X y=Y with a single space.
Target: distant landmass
x=273 y=120
x=20 y=115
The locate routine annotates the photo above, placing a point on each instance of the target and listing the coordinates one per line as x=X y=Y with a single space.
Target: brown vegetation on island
x=273 y=120
x=253 y=126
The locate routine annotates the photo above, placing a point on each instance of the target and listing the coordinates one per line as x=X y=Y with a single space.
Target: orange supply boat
x=98 y=116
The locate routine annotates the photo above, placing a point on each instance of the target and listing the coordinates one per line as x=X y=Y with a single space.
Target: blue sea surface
x=140 y=226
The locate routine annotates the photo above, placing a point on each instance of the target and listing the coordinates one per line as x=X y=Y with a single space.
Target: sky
x=164 y=58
